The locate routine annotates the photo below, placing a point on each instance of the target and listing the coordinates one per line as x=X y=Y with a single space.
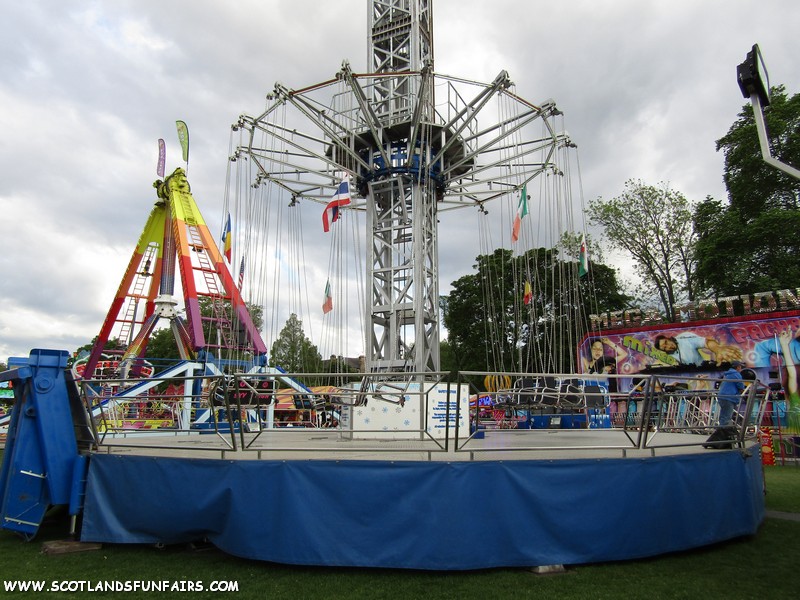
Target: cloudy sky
x=88 y=87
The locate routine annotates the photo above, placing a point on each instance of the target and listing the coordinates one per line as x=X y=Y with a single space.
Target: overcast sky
x=87 y=88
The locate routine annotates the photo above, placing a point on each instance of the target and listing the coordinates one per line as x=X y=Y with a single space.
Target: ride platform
x=516 y=498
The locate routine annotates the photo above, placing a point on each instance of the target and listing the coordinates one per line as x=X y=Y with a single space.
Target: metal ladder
x=220 y=321
x=136 y=294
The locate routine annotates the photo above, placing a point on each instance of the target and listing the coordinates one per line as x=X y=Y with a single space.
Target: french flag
x=340 y=198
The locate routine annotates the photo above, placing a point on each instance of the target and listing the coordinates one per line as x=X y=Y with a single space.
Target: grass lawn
x=762 y=566
x=783 y=488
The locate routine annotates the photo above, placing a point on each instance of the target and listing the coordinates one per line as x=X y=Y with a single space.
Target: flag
x=583 y=259
x=340 y=198
x=183 y=138
x=241 y=273
x=162 y=157
x=327 y=305
x=522 y=210
x=226 y=239
x=527 y=297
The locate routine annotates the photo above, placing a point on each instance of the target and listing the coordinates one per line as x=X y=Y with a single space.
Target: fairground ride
x=412 y=156
x=410 y=145
x=176 y=235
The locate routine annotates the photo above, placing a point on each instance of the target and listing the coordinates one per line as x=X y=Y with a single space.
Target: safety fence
x=404 y=413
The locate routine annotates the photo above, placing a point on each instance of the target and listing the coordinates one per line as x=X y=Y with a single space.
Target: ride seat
x=570 y=396
x=594 y=395
x=548 y=392
x=525 y=390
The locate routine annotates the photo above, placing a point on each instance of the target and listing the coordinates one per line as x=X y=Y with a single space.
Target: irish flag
x=522 y=210
x=583 y=259
x=327 y=305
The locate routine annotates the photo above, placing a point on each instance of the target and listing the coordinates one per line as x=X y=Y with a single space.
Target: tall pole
x=412 y=158
x=403 y=313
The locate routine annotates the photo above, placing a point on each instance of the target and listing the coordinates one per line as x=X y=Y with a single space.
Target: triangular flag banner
x=226 y=239
x=528 y=295
x=522 y=210
x=340 y=198
x=327 y=305
x=162 y=157
x=583 y=259
x=183 y=138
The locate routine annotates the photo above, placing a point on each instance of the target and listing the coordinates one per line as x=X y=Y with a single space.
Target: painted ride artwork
x=700 y=349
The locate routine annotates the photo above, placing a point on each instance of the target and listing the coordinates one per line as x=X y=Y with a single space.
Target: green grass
x=762 y=566
x=783 y=489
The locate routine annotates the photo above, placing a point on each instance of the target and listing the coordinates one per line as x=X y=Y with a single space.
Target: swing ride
x=392 y=153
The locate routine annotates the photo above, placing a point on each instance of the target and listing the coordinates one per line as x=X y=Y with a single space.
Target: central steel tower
x=411 y=156
x=401 y=191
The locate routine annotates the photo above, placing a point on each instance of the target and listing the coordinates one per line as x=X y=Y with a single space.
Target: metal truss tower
x=412 y=155
x=403 y=324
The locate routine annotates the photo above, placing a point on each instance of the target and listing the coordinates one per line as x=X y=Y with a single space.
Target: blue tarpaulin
x=427 y=515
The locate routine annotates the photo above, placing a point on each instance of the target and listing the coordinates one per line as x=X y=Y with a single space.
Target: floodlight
x=753 y=77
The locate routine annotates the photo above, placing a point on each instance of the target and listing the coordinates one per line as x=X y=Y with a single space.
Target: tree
x=751 y=243
x=112 y=345
x=466 y=313
x=293 y=351
x=491 y=328
x=447 y=358
x=654 y=226
x=162 y=346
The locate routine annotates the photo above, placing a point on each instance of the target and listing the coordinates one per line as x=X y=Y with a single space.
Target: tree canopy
x=750 y=243
x=491 y=328
x=653 y=224
x=293 y=351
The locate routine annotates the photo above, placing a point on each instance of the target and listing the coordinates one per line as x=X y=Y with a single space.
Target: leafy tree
x=293 y=351
x=447 y=358
x=490 y=328
x=751 y=243
x=112 y=345
x=206 y=304
x=466 y=311
x=753 y=185
x=162 y=346
x=654 y=226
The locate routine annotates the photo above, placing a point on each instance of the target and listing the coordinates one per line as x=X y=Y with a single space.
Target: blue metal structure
x=42 y=465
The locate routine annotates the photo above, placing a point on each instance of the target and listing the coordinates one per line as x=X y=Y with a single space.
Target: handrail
x=438 y=412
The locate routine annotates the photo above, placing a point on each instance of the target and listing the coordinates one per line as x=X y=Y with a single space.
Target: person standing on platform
x=729 y=393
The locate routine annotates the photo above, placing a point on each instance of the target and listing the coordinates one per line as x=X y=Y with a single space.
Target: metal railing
x=274 y=413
